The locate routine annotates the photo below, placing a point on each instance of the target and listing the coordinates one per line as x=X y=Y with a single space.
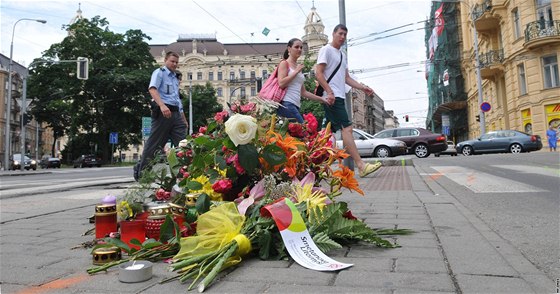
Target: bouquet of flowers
x=244 y=160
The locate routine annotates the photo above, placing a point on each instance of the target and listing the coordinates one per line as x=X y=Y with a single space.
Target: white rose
x=183 y=143
x=241 y=129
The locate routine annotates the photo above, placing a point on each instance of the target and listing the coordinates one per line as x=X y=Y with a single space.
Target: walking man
x=332 y=63
x=168 y=118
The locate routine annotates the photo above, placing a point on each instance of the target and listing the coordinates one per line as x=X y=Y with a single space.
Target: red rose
x=295 y=130
x=180 y=154
x=202 y=130
x=312 y=123
x=222 y=186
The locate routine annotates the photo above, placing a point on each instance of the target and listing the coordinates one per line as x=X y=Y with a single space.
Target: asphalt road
x=517 y=196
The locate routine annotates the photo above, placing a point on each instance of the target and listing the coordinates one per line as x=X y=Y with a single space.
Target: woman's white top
x=293 y=91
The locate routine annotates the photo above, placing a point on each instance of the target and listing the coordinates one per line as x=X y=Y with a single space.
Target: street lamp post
x=9 y=102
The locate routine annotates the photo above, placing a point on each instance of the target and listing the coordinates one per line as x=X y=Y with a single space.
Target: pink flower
x=202 y=130
x=221 y=116
x=312 y=123
x=235 y=160
x=222 y=186
x=162 y=195
x=248 y=107
x=256 y=193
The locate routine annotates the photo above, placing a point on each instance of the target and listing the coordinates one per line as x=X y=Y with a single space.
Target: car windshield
x=18 y=157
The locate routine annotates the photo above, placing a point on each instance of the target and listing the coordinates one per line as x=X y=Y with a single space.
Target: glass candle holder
x=105 y=220
x=133 y=229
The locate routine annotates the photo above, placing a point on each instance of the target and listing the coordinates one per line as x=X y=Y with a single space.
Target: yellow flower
x=125 y=211
x=241 y=129
x=206 y=188
x=313 y=199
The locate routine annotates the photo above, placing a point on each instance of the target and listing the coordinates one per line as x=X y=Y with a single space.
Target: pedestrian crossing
x=481 y=182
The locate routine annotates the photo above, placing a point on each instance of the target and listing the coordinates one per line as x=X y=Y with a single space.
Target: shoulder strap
x=336 y=69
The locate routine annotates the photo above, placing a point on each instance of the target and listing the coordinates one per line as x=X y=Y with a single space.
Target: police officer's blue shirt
x=167 y=85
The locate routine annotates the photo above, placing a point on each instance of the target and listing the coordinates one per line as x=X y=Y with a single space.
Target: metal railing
x=542 y=29
x=491 y=57
x=479 y=9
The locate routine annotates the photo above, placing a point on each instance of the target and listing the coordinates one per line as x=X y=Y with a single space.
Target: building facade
x=518 y=50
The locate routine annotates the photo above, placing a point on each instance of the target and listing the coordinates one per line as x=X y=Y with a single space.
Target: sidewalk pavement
x=451 y=251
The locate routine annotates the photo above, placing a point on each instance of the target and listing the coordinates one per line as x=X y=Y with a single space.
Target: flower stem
x=212 y=275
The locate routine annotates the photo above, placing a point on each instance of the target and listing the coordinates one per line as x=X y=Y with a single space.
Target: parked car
x=369 y=146
x=50 y=162
x=419 y=141
x=450 y=150
x=503 y=141
x=29 y=163
x=87 y=161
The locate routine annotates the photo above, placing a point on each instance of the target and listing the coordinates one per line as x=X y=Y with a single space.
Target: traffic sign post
x=485 y=106
x=146 y=127
x=113 y=139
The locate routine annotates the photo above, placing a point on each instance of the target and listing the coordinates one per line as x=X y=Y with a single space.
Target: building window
x=264 y=74
x=189 y=76
x=516 y=24
x=211 y=76
x=220 y=77
x=242 y=91
x=199 y=75
x=544 y=13
x=220 y=92
x=253 y=75
x=522 y=79
x=231 y=75
x=550 y=69
x=242 y=75
x=253 y=91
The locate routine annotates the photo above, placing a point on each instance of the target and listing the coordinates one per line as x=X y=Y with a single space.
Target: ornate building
x=519 y=47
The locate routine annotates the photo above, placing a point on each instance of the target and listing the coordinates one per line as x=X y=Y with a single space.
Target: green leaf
x=202 y=203
x=220 y=161
x=325 y=243
x=248 y=157
x=173 y=162
x=117 y=242
x=135 y=242
x=202 y=140
x=274 y=155
x=167 y=230
x=265 y=242
x=151 y=243
x=194 y=185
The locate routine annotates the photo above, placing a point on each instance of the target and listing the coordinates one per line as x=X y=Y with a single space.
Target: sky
x=382 y=35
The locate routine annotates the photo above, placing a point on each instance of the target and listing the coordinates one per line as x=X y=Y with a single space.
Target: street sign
x=446 y=130
x=114 y=138
x=485 y=106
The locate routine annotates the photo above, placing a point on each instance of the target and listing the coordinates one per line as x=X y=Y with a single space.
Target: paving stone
x=296 y=274
x=417 y=265
x=492 y=284
x=389 y=281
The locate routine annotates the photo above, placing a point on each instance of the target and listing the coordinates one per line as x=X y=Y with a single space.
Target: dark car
x=87 y=161
x=28 y=163
x=503 y=141
x=369 y=146
x=419 y=141
x=50 y=162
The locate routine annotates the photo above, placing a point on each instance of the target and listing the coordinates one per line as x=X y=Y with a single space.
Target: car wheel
x=382 y=152
x=515 y=148
x=467 y=150
x=421 y=151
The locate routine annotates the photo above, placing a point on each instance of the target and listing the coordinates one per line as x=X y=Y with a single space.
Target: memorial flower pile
x=242 y=163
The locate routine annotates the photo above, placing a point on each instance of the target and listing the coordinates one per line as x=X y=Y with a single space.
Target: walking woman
x=291 y=78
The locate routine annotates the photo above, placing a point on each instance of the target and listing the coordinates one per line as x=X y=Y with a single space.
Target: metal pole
x=190 y=105
x=348 y=162
x=37 y=140
x=478 y=79
x=7 y=142
x=22 y=133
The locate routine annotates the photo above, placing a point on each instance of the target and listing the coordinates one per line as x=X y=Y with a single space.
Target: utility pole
x=190 y=105
x=348 y=161
x=478 y=79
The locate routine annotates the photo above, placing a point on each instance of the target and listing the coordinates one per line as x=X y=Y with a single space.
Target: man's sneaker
x=369 y=168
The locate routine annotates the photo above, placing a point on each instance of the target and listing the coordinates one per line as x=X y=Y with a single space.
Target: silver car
x=369 y=146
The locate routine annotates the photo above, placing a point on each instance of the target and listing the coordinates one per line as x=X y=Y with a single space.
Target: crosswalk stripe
x=481 y=182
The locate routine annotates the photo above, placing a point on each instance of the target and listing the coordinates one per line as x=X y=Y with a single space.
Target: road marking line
x=481 y=182
x=539 y=170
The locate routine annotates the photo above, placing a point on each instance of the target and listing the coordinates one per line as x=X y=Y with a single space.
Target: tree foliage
x=113 y=99
x=204 y=104
x=309 y=106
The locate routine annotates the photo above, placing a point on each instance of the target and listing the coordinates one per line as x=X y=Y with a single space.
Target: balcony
x=484 y=18
x=491 y=63
x=541 y=32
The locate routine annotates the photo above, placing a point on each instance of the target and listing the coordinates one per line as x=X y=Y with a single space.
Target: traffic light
x=406 y=118
x=477 y=117
x=26 y=118
x=83 y=64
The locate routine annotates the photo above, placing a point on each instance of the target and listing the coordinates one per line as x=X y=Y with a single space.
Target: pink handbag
x=271 y=89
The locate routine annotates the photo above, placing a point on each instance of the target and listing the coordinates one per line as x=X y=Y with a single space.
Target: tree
x=308 y=106
x=113 y=99
x=205 y=104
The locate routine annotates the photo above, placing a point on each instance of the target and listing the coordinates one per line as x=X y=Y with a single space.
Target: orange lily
x=346 y=178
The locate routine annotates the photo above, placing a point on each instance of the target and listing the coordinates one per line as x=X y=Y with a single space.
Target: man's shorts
x=336 y=114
